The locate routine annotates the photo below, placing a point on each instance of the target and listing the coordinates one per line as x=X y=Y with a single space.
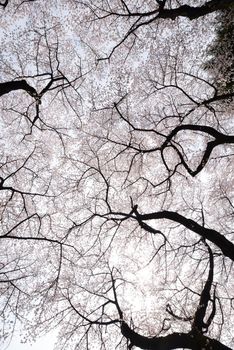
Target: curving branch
x=219 y=139
x=191 y=340
x=226 y=246
x=4 y=4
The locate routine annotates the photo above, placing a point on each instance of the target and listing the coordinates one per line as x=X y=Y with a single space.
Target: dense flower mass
x=116 y=173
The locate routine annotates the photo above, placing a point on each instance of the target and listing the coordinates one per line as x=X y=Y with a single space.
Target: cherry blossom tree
x=116 y=176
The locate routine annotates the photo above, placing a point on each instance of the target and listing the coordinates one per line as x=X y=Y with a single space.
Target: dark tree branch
x=216 y=97
x=192 y=340
x=200 y=314
x=148 y=17
x=226 y=246
x=196 y=12
x=9 y=86
x=177 y=317
x=219 y=140
x=4 y=4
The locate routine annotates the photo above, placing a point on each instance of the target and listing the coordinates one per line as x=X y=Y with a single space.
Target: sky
x=46 y=342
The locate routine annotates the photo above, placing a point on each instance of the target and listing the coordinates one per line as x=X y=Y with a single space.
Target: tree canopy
x=221 y=64
x=116 y=173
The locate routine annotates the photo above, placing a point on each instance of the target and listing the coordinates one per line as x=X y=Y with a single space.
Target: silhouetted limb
x=191 y=340
x=226 y=246
x=219 y=139
x=199 y=323
x=9 y=86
